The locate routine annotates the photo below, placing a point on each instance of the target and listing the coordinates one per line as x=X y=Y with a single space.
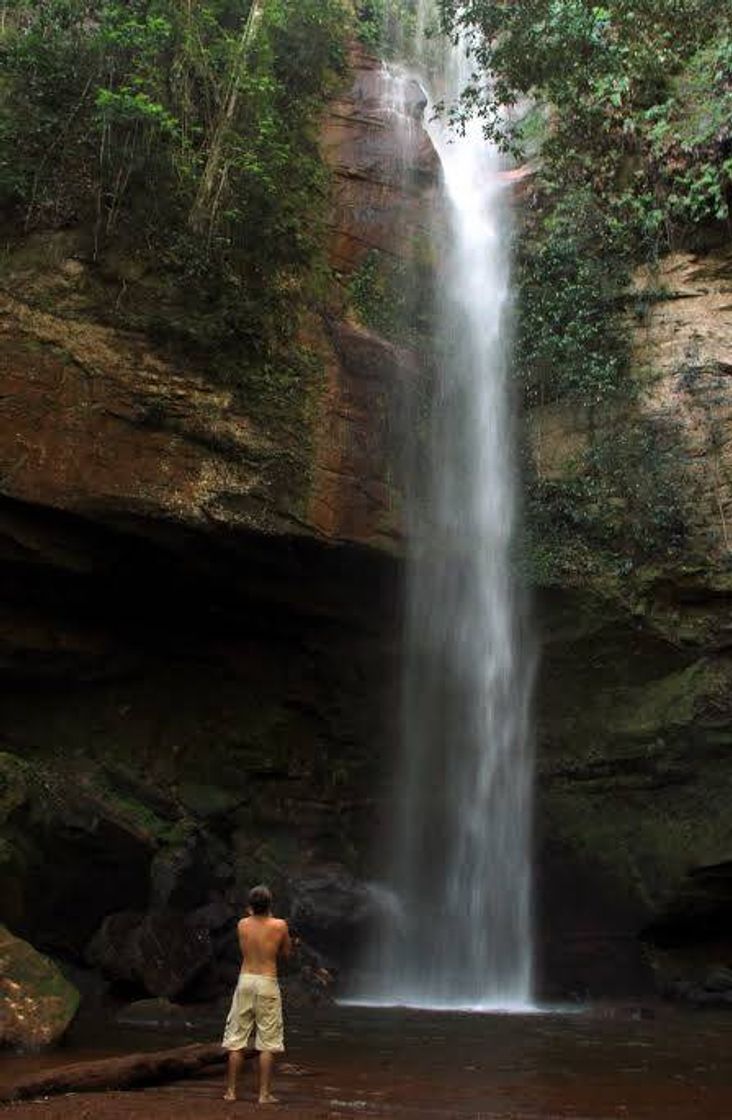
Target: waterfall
x=458 y=868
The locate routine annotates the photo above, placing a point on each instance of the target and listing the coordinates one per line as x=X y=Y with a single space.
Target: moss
x=15 y=775
x=13 y=868
x=227 y=296
x=612 y=515
x=669 y=703
x=393 y=296
x=135 y=815
x=37 y=1003
x=633 y=776
x=644 y=844
x=48 y=788
x=604 y=730
x=180 y=832
x=207 y=800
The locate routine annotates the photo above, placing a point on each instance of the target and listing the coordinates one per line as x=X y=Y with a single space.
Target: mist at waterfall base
x=456 y=928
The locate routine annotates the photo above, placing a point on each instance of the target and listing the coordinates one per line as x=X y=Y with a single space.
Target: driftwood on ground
x=133 y=1071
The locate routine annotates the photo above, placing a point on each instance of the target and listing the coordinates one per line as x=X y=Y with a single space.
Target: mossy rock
x=12 y=880
x=207 y=801
x=13 y=784
x=657 y=707
x=14 y=791
x=37 y=1003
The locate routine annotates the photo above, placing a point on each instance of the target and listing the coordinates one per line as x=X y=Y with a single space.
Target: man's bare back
x=262 y=940
x=256 y=1007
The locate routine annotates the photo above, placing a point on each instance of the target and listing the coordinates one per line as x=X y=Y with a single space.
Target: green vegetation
x=38 y=1004
x=618 y=504
x=631 y=121
x=14 y=779
x=609 y=73
x=393 y=297
x=386 y=26
x=572 y=275
x=624 y=110
x=179 y=138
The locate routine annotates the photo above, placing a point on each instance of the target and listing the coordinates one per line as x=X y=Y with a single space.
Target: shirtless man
x=257 y=1003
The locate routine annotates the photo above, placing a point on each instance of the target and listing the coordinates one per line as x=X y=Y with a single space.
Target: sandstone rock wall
x=682 y=341
x=100 y=423
x=381 y=196
x=199 y=606
x=199 y=620
x=36 y=1003
x=635 y=706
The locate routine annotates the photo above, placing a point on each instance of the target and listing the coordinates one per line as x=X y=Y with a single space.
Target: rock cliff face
x=635 y=705
x=199 y=622
x=199 y=607
x=98 y=423
x=376 y=209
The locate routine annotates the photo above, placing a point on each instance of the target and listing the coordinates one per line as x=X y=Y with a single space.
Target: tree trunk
x=215 y=168
x=133 y=1071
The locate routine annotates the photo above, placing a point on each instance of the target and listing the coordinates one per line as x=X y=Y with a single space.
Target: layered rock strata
x=199 y=607
x=634 y=709
x=199 y=626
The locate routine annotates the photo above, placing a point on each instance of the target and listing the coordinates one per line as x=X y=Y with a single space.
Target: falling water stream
x=458 y=934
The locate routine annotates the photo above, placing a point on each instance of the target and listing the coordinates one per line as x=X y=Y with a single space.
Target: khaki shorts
x=256 y=1004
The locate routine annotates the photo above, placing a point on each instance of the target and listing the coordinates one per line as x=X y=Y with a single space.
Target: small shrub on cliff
x=567 y=342
x=618 y=505
x=386 y=26
x=690 y=138
x=634 y=149
x=394 y=298
x=182 y=136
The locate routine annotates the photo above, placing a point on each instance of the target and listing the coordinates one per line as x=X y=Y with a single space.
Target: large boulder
x=161 y=953
x=180 y=875
x=37 y=1003
x=13 y=785
x=689 y=941
x=332 y=911
x=13 y=797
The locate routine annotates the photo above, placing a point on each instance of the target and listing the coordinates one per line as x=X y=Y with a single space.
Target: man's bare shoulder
x=273 y=923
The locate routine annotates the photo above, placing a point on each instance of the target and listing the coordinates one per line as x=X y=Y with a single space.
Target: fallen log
x=133 y=1071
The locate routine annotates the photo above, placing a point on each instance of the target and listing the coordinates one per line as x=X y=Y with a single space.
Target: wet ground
x=602 y=1064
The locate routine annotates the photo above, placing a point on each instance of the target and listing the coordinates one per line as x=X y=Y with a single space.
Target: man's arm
x=240 y=928
x=286 y=942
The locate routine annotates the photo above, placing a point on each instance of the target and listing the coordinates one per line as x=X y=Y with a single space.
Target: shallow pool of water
x=597 y=1064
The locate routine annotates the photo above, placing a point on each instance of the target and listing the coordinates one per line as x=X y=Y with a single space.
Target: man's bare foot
x=268 y=1099
x=229 y=1095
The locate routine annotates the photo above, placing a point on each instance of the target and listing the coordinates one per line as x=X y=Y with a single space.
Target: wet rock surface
x=37 y=1004
x=375 y=205
x=198 y=624
x=199 y=633
x=633 y=701
x=333 y=912
x=162 y=952
x=160 y=1014
x=681 y=338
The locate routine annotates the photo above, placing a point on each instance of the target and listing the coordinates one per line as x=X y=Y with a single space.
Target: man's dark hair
x=260 y=899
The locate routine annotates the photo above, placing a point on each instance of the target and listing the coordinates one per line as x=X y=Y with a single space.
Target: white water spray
x=460 y=849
